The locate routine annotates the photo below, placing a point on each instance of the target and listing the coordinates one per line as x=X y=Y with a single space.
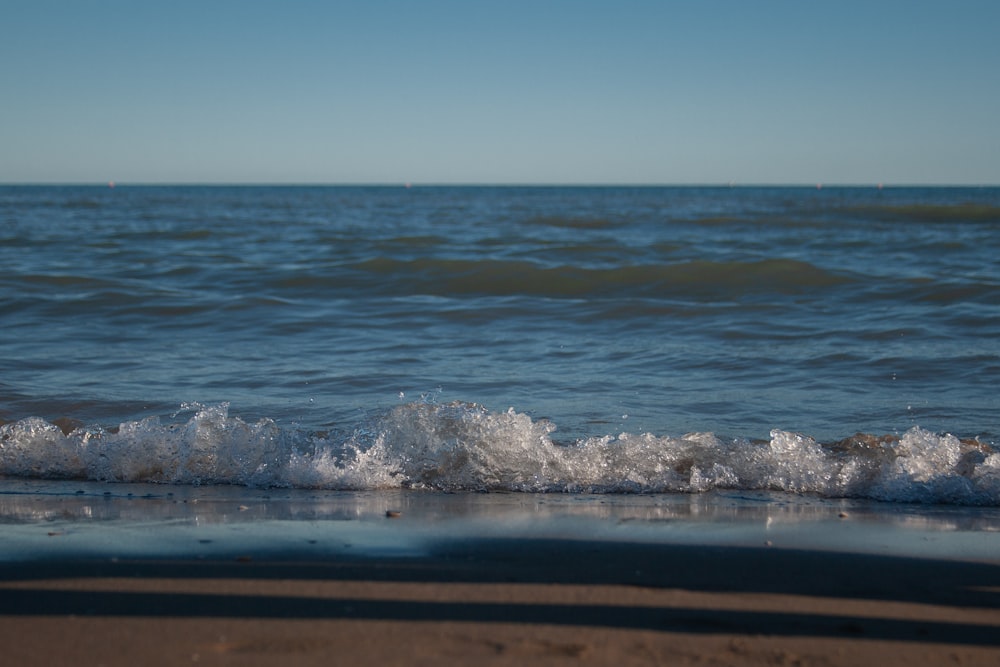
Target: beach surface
x=135 y=574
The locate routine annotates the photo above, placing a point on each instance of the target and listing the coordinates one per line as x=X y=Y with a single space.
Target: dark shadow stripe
x=35 y=602
x=552 y=561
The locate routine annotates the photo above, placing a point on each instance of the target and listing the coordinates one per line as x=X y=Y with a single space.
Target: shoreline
x=73 y=520
x=126 y=574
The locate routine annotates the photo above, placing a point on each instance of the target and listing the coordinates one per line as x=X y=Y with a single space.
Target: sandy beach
x=502 y=594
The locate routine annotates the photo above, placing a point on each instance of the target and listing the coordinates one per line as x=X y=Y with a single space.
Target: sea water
x=838 y=342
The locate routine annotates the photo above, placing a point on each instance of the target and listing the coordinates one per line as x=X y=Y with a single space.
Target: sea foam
x=462 y=446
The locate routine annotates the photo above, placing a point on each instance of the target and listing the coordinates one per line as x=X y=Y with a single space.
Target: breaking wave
x=466 y=447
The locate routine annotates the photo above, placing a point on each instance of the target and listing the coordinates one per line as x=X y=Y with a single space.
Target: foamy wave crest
x=463 y=446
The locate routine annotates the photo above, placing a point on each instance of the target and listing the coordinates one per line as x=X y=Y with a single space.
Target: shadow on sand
x=693 y=568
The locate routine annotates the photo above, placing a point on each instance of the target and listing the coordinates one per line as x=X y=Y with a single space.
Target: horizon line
x=512 y=184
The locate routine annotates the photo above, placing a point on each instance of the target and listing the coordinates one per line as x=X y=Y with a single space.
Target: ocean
x=831 y=342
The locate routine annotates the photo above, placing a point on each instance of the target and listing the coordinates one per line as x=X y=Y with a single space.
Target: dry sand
x=506 y=602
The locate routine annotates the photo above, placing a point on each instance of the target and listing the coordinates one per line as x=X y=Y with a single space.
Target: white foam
x=464 y=446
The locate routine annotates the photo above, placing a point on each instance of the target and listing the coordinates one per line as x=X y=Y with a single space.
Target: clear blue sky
x=482 y=91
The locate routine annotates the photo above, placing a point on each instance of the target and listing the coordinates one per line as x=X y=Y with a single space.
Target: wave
x=503 y=277
x=465 y=447
x=802 y=214
x=936 y=213
x=564 y=222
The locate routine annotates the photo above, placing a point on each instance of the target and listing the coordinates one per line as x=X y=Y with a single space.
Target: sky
x=503 y=92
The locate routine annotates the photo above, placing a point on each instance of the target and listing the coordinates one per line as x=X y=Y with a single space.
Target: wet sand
x=489 y=587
